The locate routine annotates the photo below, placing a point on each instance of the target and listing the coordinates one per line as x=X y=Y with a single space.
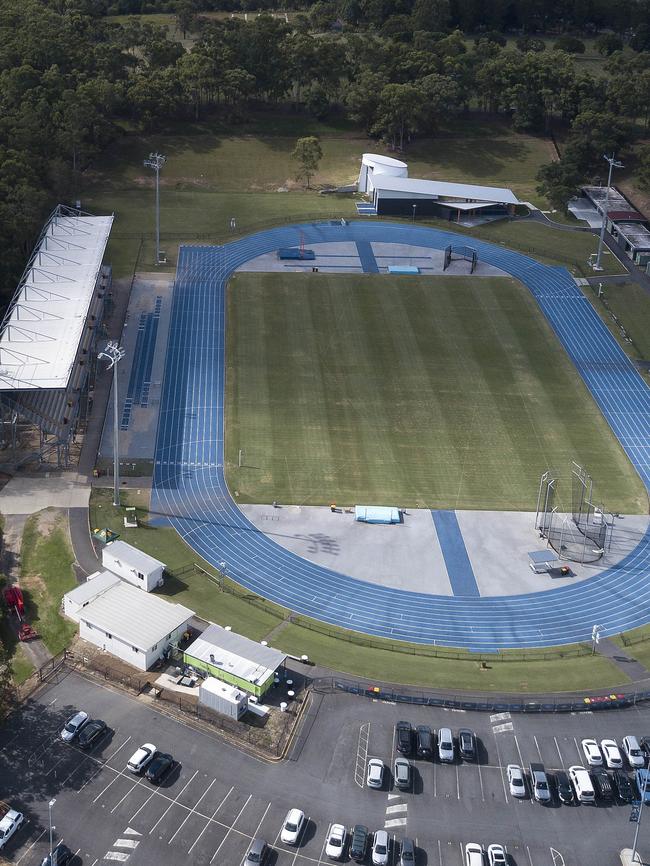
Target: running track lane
x=190 y=489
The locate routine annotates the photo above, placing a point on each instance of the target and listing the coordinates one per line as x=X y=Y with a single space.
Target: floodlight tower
x=156 y=162
x=114 y=353
x=613 y=163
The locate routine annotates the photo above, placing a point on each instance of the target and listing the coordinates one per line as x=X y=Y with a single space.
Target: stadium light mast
x=613 y=163
x=156 y=162
x=114 y=353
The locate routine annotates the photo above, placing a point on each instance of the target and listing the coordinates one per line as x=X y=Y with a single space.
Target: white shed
x=133 y=565
x=129 y=624
x=375 y=165
x=222 y=697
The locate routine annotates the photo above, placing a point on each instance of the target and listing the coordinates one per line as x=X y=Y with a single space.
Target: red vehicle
x=27 y=632
x=14 y=599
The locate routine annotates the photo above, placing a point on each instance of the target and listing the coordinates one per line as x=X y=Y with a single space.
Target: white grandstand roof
x=442 y=189
x=42 y=328
x=380 y=159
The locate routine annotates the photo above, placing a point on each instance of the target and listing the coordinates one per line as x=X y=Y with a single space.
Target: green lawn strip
x=561 y=675
x=184 y=585
x=432 y=392
x=630 y=303
x=46 y=575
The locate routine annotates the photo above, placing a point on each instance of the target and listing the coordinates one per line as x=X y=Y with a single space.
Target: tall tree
x=308 y=154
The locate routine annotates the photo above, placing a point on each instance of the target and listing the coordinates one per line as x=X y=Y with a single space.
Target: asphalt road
x=217 y=798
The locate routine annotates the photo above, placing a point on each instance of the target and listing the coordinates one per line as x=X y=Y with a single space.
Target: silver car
x=73 y=726
x=375 y=775
x=380 y=848
x=257 y=853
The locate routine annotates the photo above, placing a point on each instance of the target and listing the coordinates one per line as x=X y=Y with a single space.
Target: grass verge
x=429 y=392
x=256 y=618
x=46 y=575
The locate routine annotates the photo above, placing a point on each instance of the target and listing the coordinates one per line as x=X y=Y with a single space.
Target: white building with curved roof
x=375 y=165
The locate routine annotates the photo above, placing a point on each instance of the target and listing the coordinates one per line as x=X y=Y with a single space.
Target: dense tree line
x=70 y=79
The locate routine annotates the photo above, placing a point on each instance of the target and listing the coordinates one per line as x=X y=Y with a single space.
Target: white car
x=292 y=827
x=592 y=753
x=380 y=848
x=139 y=760
x=496 y=855
x=473 y=854
x=73 y=726
x=633 y=753
x=375 y=775
x=516 y=780
x=9 y=824
x=611 y=753
x=445 y=746
x=335 y=845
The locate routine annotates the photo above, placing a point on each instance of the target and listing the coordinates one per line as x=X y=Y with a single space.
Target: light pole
x=613 y=163
x=49 y=809
x=114 y=353
x=595 y=637
x=156 y=162
x=638 y=818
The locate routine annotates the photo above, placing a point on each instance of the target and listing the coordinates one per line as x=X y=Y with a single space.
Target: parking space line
x=559 y=753
x=558 y=859
x=322 y=850
x=298 y=841
x=435 y=784
x=539 y=751
x=135 y=815
x=531 y=799
x=501 y=769
x=125 y=796
x=362 y=754
x=211 y=818
x=530 y=859
x=175 y=800
x=231 y=827
x=439 y=853
x=580 y=754
x=480 y=778
x=112 y=782
x=30 y=847
x=189 y=814
x=110 y=757
x=457 y=783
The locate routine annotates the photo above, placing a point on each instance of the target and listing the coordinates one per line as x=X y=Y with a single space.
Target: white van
x=581 y=781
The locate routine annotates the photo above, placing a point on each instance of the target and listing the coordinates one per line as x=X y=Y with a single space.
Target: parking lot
x=217 y=799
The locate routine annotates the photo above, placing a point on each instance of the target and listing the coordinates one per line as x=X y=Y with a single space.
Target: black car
x=160 y=767
x=424 y=741
x=563 y=786
x=359 y=842
x=467 y=744
x=644 y=742
x=623 y=786
x=602 y=783
x=60 y=856
x=91 y=732
x=404 y=737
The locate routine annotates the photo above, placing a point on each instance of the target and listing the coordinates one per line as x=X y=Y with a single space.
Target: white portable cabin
x=133 y=565
x=82 y=595
x=222 y=697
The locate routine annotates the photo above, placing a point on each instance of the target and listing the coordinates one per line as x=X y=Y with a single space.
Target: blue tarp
x=376 y=514
x=403 y=269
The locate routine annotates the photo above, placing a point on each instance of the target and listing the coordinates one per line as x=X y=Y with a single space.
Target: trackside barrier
x=482 y=703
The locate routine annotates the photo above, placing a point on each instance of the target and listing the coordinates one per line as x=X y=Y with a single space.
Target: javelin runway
x=190 y=488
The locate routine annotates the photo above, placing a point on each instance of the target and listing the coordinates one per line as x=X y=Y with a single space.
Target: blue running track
x=190 y=488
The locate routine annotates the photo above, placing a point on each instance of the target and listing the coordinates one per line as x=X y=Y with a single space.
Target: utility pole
x=114 y=353
x=613 y=163
x=156 y=162
x=49 y=810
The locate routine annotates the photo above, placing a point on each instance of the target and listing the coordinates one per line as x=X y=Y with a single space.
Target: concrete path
x=631 y=667
x=27 y=495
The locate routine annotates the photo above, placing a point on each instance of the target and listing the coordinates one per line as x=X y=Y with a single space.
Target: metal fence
x=484 y=703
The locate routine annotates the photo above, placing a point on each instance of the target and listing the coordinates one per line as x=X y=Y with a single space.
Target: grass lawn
x=46 y=575
x=585 y=672
x=436 y=392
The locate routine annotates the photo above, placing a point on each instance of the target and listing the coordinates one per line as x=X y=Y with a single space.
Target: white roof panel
x=42 y=328
x=437 y=188
x=375 y=159
x=96 y=583
x=136 y=617
x=235 y=654
x=131 y=556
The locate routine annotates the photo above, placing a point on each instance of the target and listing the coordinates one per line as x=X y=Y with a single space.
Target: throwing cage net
x=463 y=253
x=581 y=533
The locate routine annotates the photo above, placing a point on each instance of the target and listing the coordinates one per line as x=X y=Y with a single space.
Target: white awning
x=42 y=329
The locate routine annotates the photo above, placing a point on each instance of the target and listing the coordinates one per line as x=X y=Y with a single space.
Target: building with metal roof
x=393 y=192
x=47 y=336
x=635 y=237
x=132 y=625
x=136 y=566
x=235 y=659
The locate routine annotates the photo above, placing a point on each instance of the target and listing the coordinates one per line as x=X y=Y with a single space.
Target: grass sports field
x=440 y=392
